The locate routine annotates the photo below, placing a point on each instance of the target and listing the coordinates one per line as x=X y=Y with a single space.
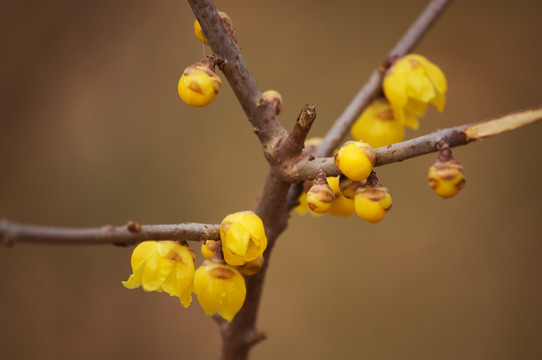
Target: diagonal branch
x=132 y=233
x=259 y=113
x=456 y=136
x=374 y=85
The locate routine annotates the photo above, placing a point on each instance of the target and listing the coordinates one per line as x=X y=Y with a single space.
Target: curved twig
x=132 y=233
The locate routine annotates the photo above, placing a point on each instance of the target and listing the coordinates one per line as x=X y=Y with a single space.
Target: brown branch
x=132 y=233
x=456 y=136
x=279 y=147
x=374 y=85
x=259 y=113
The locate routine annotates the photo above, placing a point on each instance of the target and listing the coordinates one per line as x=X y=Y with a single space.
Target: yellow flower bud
x=220 y=289
x=348 y=187
x=372 y=203
x=342 y=206
x=199 y=84
x=208 y=249
x=274 y=98
x=163 y=266
x=355 y=159
x=226 y=21
x=446 y=178
x=320 y=195
x=410 y=85
x=377 y=126
x=243 y=237
x=252 y=267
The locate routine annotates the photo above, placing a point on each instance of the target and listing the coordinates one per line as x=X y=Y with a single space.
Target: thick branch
x=132 y=233
x=259 y=113
x=374 y=85
x=308 y=167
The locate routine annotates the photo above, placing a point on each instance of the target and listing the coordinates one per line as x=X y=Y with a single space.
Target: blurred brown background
x=92 y=132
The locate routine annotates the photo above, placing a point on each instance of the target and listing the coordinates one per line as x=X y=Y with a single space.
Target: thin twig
x=374 y=85
x=461 y=135
x=132 y=233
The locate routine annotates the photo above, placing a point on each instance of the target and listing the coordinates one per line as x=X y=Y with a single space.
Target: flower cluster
x=218 y=283
x=355 y=191
x=410 y=85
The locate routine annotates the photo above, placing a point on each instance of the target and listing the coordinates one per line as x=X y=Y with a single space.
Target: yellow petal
x=186 y=298
x=236 y=293
x=439 y=101
x=206 y=291
x=418 y=85
x=436 y=76
x=416 y=107
x=411 y=121
x=156 y=271
x=134 y=281
x=394 y=86
x=170 y=284
x=237 y=239
x=142 y=252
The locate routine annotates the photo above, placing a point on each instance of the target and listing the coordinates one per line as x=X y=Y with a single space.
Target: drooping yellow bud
x=274 y=98
x=220 y=288
x=320 y=195
x=410 y=85
x=199 y=84
x=377 y=126
x=372 y=203
x=163 y=266
x=208 y=249
x=446 y=178
x=355 y=159
x=243 y=237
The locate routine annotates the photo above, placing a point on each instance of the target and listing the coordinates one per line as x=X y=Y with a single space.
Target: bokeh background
x=92 y=132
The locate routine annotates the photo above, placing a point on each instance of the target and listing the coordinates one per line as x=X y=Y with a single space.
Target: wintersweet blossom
x=410 y=85
x=220 y=288
x=163 y=266
x=243 y=237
